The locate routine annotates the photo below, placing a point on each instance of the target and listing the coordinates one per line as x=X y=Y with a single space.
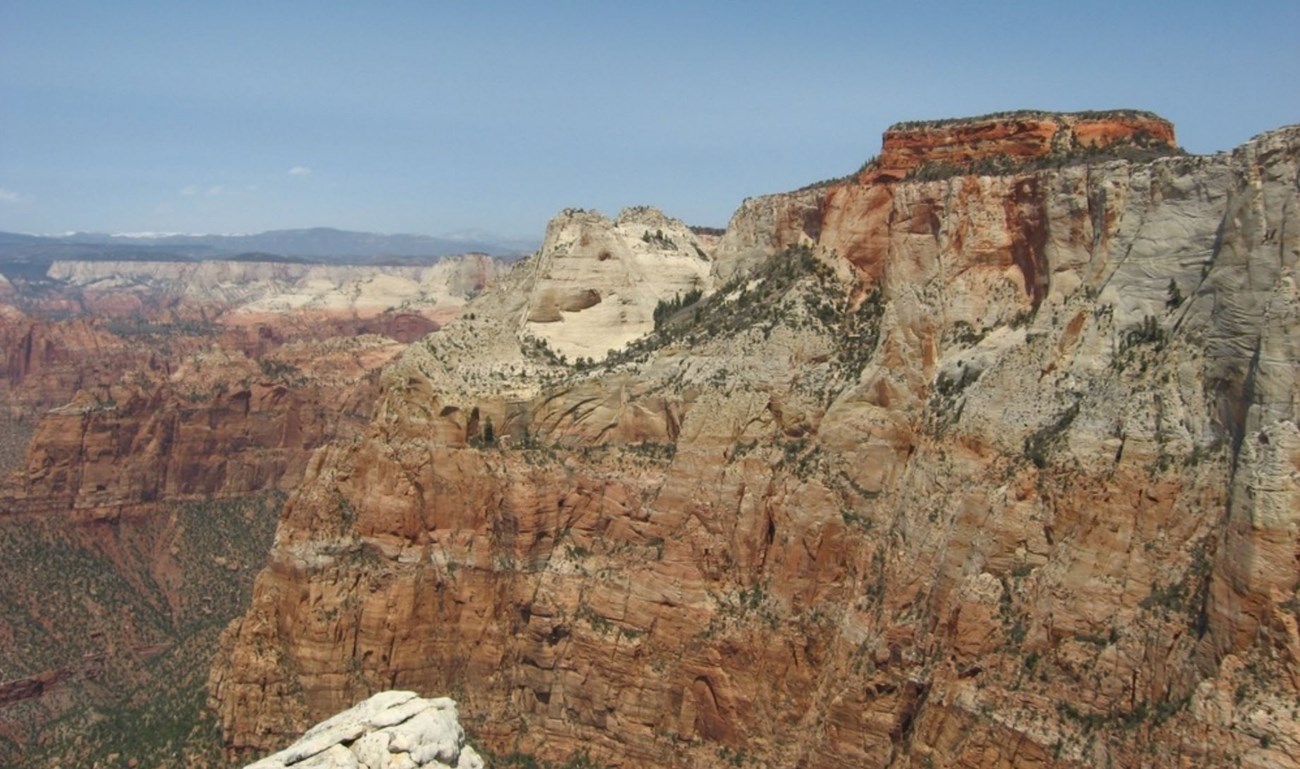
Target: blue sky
x=435 y=117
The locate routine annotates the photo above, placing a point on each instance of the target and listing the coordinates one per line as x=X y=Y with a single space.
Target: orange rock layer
x=1019 y=136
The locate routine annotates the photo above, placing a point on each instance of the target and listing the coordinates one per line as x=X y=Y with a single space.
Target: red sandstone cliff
x=1017 y=136
x=1000 y=471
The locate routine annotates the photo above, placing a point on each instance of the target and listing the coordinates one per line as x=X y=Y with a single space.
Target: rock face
x=390 y=729
x=220 y=425
x=990 y=471
x=768 y=225
x=45 y=362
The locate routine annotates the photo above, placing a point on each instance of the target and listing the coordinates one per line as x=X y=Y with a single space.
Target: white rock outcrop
x=391 y=730
x=596 y=281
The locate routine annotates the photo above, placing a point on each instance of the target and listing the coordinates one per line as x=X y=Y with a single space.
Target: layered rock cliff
x=132 y=527
x=980 y=471
x=1014 y=137
x=220 y=425
x=45 y=362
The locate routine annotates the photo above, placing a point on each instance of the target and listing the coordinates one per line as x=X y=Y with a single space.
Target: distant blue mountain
x=317 y=244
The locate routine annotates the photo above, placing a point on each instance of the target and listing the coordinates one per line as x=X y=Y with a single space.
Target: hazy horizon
x=412 y=118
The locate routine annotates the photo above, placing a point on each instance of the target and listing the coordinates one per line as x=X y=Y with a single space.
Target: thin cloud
x=195 y=191
x=9 y=196
x=300 y=171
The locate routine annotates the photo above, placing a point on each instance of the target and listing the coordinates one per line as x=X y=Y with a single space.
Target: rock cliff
x=46 y=362
x=1014 y=137
x=984 y=471
x=220 y=425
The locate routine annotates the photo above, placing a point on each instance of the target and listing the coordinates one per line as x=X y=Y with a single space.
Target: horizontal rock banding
x=1017 y=136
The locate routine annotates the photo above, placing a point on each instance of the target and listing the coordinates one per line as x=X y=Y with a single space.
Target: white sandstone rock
x=391 y=730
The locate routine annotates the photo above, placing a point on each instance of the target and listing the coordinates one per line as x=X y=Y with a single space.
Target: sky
x=437 y=117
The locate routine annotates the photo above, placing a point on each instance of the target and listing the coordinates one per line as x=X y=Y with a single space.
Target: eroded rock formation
x=596 y=281
x=244 y=291
x=989 y=471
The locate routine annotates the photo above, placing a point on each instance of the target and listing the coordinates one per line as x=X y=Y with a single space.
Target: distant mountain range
x=20 y=252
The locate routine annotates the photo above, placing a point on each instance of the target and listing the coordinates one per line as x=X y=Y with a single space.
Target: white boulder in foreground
x=391 y=730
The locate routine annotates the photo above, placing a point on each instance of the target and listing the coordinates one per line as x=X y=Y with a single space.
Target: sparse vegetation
x=669 y=308
x=1141 y=148
x=147 y=700
x=1176 y=297
x=795 y=289
x=661 y=452
x=1138 y=343
x=139 y=327
x=1111 y=114
x=517 y=760
x=659 y=240
x=280 y=370
x=1039 y=446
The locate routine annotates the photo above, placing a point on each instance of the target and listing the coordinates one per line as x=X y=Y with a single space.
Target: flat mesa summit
x=986 y=455
x=1016 y=137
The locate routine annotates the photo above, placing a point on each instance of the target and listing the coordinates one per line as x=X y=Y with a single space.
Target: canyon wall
x=981 y=471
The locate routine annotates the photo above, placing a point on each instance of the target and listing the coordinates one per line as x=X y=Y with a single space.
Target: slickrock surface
x=994 y=471
x=391 y=729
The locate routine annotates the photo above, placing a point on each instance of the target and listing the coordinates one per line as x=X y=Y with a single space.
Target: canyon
x=154 y=416
x=985 y=455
